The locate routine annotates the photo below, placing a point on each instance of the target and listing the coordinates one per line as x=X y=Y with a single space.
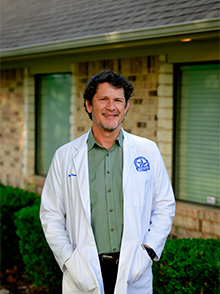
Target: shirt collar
x=91 y=140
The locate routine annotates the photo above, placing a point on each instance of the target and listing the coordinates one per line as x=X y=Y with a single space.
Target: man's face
x=108 y=107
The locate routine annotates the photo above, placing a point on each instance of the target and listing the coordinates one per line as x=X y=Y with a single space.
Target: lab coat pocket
x=141 y=262
x=80 y=272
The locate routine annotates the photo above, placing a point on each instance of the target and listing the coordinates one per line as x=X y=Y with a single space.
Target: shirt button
x=91 y=244
x=107 y=154
x=108 y=172
x=114 y=249
x=109 y=190
x=110 y=209
x=112 y=229
x=99 y=277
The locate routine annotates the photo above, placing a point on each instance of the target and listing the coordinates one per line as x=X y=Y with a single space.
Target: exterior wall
x=165 y=112
x=150 y=115
x=29 y=131
x=11 y=127
x=195 y=221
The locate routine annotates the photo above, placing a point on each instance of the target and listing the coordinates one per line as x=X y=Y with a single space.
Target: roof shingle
x=31 y=22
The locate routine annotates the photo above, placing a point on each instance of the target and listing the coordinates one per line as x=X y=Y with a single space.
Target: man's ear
x=89 y=106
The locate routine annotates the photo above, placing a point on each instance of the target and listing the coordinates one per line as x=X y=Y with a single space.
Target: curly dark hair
x=106 y=76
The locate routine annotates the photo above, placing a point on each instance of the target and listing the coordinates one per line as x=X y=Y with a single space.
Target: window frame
x=37 y=78
x=176 y=127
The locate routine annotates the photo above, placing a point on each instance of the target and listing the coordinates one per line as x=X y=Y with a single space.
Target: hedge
x=186 y=266
x=40 y=265
x=12 y=200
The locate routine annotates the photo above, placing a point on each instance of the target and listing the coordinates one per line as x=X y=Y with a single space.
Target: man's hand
x=150 y=251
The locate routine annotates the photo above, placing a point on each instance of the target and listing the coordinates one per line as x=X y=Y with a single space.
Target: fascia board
x=117 y=37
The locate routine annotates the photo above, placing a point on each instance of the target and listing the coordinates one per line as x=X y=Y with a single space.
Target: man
x=107 y=203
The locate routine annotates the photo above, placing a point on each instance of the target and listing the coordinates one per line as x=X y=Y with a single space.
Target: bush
x=40 y=265
x=12 y=200
x=188 y=266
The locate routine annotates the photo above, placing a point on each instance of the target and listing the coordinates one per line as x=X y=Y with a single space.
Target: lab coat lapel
x=80 y=159
x=128 y=154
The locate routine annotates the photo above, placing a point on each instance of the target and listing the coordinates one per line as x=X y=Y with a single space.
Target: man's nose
x=110 y=105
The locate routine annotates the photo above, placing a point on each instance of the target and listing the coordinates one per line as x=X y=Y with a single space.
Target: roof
x=26 y=23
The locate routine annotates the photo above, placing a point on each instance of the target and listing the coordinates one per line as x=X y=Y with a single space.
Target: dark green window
x=197 y=164
x=53 y=94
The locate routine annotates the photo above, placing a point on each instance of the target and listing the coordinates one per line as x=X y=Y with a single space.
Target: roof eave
x=201 y=26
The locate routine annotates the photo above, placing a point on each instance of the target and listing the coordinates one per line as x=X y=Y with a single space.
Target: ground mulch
x=15 y=282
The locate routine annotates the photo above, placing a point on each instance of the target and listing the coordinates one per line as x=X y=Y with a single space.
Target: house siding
x=150 y=115
x=195 y=221
x=12 y=127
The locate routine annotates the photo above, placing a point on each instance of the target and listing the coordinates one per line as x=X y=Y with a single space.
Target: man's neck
x=104 y=138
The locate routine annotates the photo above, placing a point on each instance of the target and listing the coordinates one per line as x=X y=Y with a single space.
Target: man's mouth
x=110 y=115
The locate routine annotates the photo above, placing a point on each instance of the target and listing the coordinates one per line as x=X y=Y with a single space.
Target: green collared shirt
x=106 y=193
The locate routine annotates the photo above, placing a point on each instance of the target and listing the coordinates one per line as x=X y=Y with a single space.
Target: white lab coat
x=66 y=218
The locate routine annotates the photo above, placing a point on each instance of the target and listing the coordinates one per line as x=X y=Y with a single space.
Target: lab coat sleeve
x=52 y=213
x=163 y=207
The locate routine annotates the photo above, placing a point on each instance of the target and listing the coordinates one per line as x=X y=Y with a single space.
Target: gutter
x=200 y=26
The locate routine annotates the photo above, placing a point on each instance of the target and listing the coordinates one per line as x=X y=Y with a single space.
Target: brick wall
x=17 y=130
x=194 y=221
x=165 y=112
x=11 y=127
x=150 y=115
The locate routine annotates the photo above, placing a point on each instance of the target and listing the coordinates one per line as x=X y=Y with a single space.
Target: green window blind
x=52 y=117
x=198 y=139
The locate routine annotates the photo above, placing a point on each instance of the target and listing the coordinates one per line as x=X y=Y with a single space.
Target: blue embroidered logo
x=141 y=164
x=72 y=175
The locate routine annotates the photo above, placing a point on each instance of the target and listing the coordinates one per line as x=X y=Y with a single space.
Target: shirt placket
x=110 y=202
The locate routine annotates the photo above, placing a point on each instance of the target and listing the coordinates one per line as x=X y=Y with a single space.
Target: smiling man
x=107 y=203
x=107 y=108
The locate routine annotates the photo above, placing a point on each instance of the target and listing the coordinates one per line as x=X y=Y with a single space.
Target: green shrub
x=188 y=266
x=40 y=265
x=12 y=200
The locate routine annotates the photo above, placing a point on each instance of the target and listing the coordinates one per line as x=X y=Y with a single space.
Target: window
x=197 y=154
x=53 y=93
